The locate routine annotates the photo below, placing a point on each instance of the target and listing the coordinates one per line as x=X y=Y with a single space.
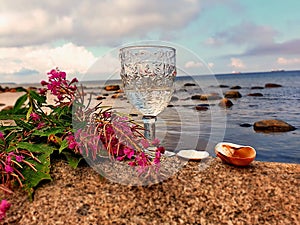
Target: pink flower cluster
x=8 y=163
x=4 y=206
x=119 y=137
x=60 y=87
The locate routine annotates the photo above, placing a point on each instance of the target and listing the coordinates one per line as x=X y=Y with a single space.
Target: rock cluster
x=259 y=126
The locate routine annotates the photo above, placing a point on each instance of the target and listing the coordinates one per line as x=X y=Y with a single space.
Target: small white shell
x=193 y=154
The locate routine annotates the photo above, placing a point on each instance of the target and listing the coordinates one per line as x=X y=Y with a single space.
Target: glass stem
x=149 y=126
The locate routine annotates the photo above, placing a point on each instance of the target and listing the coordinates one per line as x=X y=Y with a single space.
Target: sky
x=220 y=36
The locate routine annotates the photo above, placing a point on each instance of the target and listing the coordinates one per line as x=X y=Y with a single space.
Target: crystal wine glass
x=148 y=73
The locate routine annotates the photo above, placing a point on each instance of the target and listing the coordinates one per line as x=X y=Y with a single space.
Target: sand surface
x=262 y=193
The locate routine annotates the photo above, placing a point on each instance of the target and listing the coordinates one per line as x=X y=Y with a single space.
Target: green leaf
x=48 y=131
x=29 y=112
x=39 y=98
x=20 y=101
x=25 y=125
x=21 y=89
x=36 y=148
x=72 y=158
x=33 y=178
x=63 y=146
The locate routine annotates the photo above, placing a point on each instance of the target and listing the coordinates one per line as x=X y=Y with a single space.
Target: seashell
x=234 y=154
x=191 y=154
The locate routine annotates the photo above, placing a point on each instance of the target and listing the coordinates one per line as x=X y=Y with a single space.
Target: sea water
x=182 y=126
x=150 y=101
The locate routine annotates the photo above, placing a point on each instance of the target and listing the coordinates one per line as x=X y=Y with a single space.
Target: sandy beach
x=262 y=193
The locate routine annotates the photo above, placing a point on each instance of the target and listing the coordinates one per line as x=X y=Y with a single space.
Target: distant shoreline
x=178 y=76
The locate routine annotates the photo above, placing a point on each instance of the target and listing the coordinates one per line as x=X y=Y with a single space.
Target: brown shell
x=234 y=154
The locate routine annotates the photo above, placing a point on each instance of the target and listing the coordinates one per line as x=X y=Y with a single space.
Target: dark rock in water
x=236 y=87
x=272 y=126
x=133 y=114
x=201 y=108
x=223 y=86
x=100 y=98
x=112 y=88
x=257 y=87
x=188 y=106
x=245 y=125
x=189 y=84
x=174 y=98
x=205 y=97
x=106 y=94
x=272 y=85
x=32 y=88
x=256 y=94
x=212 y=96
x=196 y=97
x=226 y=103
x=232 y=94
x=170 y=106
x=117 y=96
x=206 y=105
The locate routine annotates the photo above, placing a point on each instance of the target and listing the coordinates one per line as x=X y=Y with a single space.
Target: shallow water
x=183 y=127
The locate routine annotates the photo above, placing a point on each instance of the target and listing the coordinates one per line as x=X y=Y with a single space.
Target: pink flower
x=72 y=144
x=157 y=157
x=161 y=149
x=40 y=125
x=155 y=141
x=34 y=116
x=19 y=158
x=74 y=80
x=145 y=143
x=43 y=83
x=131 y=163
x=8 y=169
x=4 y=206
x=42 y=91
x=1 y=136
x=129 y=152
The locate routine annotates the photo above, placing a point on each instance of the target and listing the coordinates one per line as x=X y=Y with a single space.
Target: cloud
x=245 y=33
x=285 y=61
x=290 y=47
x=193 y=64
x=18 y=62
x=237 y=63
x=25 y=72
x=90 y=22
